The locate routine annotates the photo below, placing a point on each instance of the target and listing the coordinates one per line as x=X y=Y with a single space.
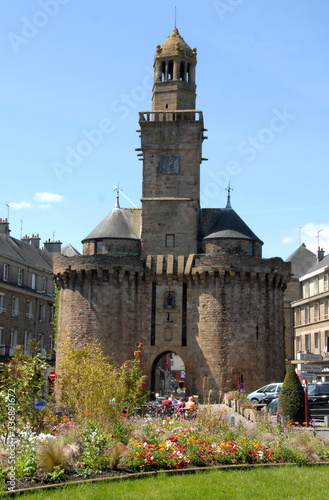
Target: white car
x=256 y=396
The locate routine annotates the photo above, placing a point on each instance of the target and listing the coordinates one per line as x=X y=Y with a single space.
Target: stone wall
x=234 y=316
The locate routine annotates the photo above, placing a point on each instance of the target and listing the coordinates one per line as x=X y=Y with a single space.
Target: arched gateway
x=171 y=275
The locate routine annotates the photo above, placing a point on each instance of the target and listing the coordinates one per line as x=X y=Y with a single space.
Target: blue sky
x=75 y=73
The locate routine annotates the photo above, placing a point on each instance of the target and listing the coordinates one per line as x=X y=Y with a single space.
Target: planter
x=239 y=404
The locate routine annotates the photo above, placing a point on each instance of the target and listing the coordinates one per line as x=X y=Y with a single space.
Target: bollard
x=326 y=421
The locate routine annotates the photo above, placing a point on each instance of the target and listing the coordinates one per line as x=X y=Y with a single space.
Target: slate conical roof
x=117 y=224
x=229 y=224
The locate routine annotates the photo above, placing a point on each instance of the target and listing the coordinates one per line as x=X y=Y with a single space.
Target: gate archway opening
x=168 y=375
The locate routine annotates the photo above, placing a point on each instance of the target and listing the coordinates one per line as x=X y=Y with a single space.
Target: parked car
x=262 y=392
x=318 y=400
x=273 y=406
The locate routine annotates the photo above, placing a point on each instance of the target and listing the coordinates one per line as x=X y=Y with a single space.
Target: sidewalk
x=230 y=416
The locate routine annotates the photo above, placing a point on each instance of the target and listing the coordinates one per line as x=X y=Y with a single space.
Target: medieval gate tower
x=171 y=275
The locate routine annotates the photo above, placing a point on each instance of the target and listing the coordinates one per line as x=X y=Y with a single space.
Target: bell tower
x=174 y=74
x=171 y=140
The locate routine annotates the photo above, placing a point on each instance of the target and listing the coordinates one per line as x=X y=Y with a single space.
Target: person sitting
x=173 y=399
x=190 y=404
x=190 y=407
x=180 y=406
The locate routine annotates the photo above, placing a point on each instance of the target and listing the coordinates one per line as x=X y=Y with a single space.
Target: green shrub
x=292 y=399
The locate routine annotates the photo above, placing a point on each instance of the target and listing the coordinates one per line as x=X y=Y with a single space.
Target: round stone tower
x=178 y=278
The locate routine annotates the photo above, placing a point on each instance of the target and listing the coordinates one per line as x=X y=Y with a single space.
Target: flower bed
x=153 y=444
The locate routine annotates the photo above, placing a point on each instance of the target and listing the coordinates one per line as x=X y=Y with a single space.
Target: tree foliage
x=292 y=398
x=94 y=389
x=22 y=381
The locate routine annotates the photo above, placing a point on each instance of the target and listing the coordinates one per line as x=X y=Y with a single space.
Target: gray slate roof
x=302 y=261
x=69 y=251
x=228 y=224
x=319 y=265
x=120 y=223
x=24 y=252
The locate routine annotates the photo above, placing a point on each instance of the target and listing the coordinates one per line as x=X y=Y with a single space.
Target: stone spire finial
x=117 y=203
x=228 y=189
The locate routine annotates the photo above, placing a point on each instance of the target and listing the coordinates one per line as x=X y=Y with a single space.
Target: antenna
x=8 y=211
x=300 y=227
x=318 y=237
x=21 y=228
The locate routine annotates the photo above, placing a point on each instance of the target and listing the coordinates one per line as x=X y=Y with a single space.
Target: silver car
x=256 y=396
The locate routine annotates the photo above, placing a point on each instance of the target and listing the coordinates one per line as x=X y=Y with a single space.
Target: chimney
x=4 y=227
x=320 y=254
x=53 y=246
x=34 y=240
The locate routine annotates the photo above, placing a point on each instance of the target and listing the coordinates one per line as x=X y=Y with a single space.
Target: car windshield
x=318 y=389
x=270 y=388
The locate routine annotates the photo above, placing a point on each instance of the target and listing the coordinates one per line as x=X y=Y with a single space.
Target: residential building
x=311 y=318
x=26 y=293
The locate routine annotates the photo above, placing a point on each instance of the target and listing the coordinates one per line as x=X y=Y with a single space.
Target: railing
x=172 y=115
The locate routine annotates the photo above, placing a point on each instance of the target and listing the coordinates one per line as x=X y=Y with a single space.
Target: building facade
x=177 y=277
x=26 y=294
x=311 y=320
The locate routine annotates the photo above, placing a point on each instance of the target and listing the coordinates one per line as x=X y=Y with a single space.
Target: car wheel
x=254 y=401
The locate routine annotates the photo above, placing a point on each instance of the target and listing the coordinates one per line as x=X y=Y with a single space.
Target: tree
x=22 y=382
x=292 y=398
x=94 y=389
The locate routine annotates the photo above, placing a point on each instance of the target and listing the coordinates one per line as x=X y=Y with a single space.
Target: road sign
x=52 y=375
x=308 y=356
x=311 y=368
x=307 y=376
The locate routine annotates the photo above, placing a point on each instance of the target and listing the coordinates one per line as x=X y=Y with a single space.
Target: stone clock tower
x=179 y=278
x=171 y=139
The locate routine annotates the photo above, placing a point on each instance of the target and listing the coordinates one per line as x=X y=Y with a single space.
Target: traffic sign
x=311 y=368
x=52 y=375
x=308 y=356
x=307 y=376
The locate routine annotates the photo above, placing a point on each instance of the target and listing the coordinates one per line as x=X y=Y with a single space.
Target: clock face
x=169 y=164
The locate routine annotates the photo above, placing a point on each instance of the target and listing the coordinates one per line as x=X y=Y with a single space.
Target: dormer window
x=99 y=246
x=250 y=248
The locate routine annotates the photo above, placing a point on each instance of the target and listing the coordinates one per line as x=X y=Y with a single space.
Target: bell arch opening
x=168 y=375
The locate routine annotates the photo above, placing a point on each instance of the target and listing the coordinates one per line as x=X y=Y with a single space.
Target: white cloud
x=48 y=197
x=20 y=205
x=314 y=235
x=287 y=240
x=311 y=234
x=44 y=206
